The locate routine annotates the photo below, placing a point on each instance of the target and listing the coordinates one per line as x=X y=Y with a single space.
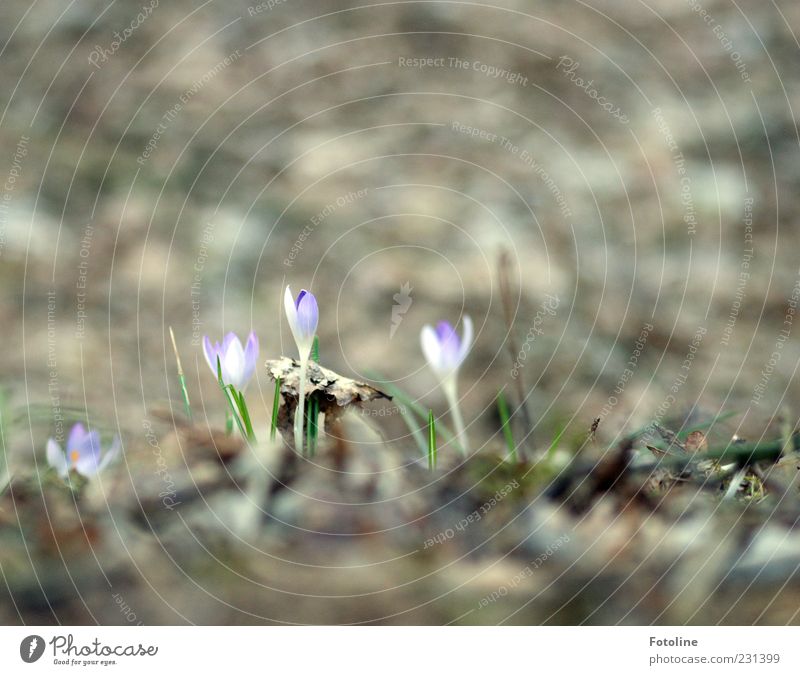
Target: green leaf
x=315 y=350
x=551 y=451
x=184 y=391
x=505 y=419
x=704 y=426
x=741 y=453
x=312 y=429
x=422 y=414
x=276 y=401
x=431 y=441
x=233 y=404
x=245 y=414
x=312 y=412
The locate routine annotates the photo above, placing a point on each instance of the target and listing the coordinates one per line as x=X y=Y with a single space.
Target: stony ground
x=636 y=162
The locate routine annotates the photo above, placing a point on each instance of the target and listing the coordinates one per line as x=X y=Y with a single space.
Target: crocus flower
x=445 y=352
x=303 y=315
x=236 y=362
x=83 y=453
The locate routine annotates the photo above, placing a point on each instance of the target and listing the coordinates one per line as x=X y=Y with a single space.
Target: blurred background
x=630 y=169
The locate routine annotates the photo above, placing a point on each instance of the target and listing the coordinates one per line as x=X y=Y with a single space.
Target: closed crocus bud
x=444 y=350
x=83 y=453
x=236 y=362
x=303 y=315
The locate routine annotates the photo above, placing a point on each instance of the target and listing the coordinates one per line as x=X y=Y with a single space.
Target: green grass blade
x=312 y=428
x=230 y=395
x=228 y=418
x=551 y=451
x=276 y=401
x=505 y=419
x=411 y=420
x=683 y=433
x=704 y=426
x=431 y=441
x=181 y=378
x=231 y=399
x=185 y=393
x=416 y=433
x=245 y=414
x=421 y=412
x=5 y=474
x=742 y=453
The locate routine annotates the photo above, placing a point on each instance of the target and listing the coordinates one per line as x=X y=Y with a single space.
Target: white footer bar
x=379 y=650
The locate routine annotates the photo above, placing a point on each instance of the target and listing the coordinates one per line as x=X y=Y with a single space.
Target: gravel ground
x=607 y=189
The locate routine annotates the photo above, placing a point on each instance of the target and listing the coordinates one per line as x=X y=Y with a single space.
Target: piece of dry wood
x=339 y=389
x=333 y=392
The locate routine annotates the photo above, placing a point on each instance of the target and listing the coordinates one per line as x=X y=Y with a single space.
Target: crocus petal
x=233 y=363
x=228 y=340
x=449 y=345
x=431 y=348
x=250 y=356
x=211 y=352
x=76 y=437
x=307 y=314
x=291 y=311
x=466 y=339
x=87 y=466
x=445 y=332
x=91 y=444
x=236 y=363
x=443 y=349
x=303 y=339
x=85 y=457
x=113 y=452
x=56 y=458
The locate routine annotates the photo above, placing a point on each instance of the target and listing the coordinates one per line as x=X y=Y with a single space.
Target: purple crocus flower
x=303 y=315
x=445 y=352
x=236 y=362
x=83 y=453
x=443 y=349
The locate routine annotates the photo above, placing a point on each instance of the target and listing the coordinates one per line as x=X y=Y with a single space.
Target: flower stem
x=301 y=404
x=313 y=410
x=458 y=421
